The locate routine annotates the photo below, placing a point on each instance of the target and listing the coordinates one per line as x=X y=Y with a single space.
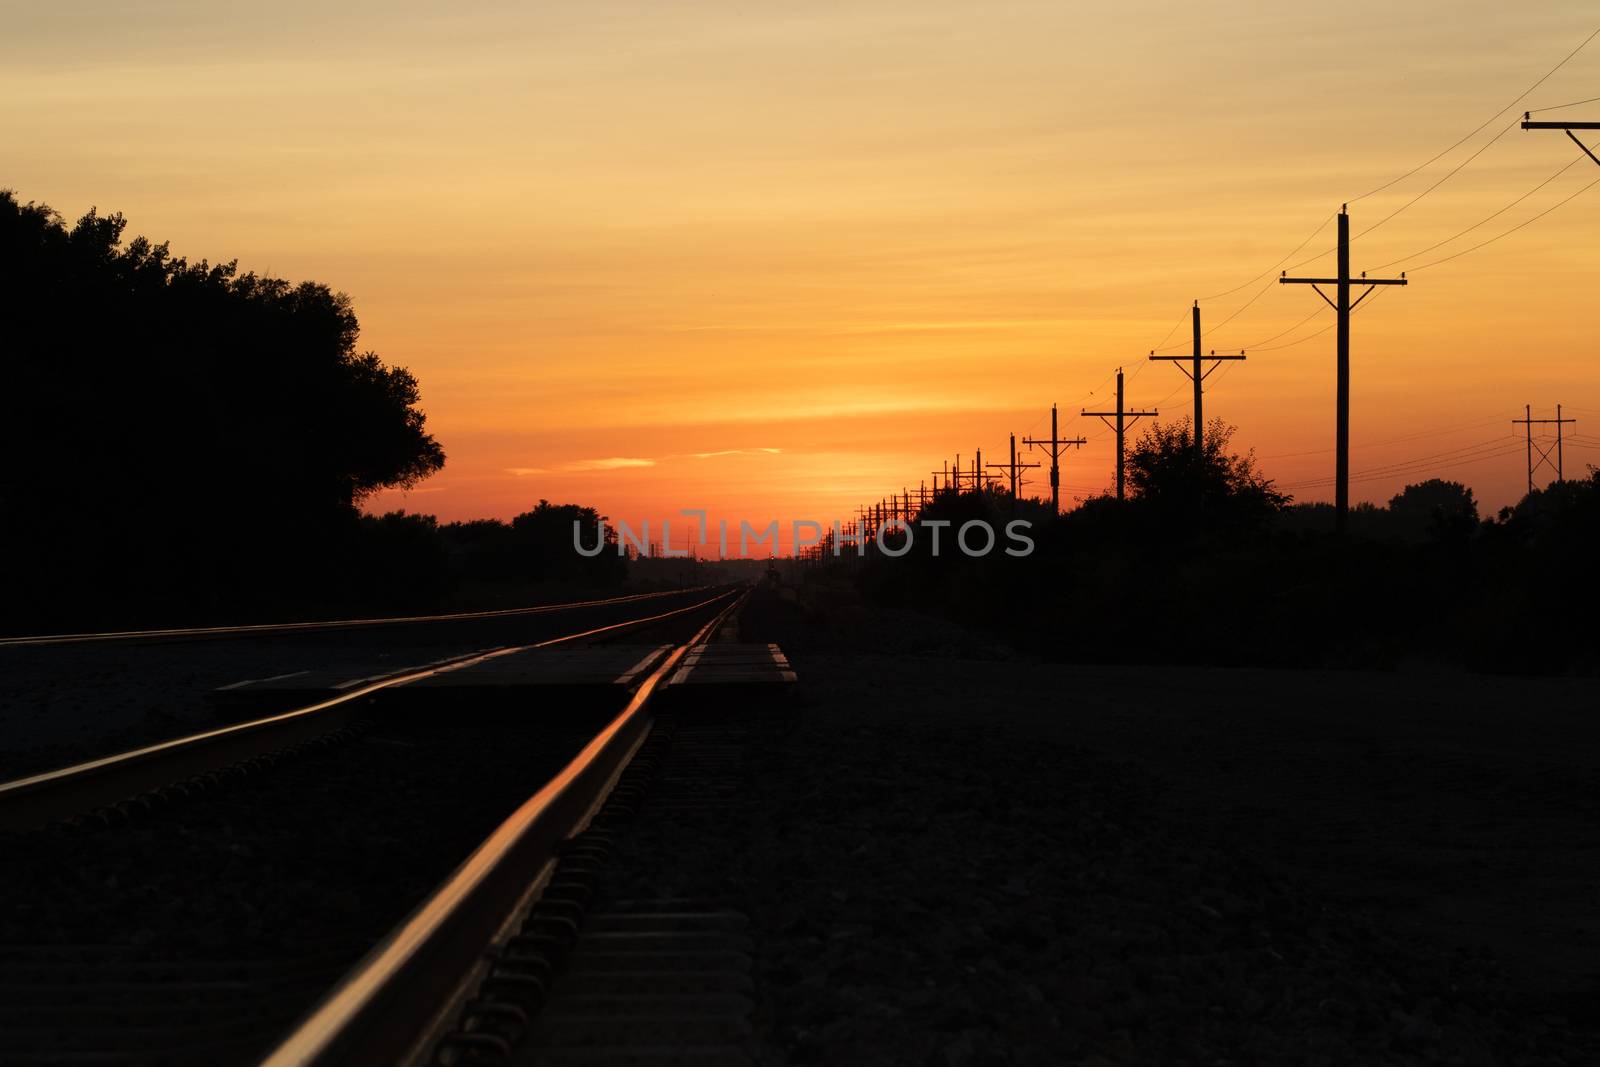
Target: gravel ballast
x=942 y=864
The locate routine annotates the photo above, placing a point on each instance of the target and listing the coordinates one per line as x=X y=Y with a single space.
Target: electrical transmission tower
x=1127 y=418
x=1197 y=374
x=1055 y=446
x=1528 y=422
x=1568 y=127
x=1342 y=308
x=1013 y=469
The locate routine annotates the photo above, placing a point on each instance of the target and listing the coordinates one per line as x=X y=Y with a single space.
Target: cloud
x=618 y=463
x=607 y=463
x=735 y=452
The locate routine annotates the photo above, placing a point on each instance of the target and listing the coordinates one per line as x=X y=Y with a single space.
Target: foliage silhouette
x=536 y=546
x=1165 y=474
x=182 y=437
x=1249 y=581
x=1443 y=508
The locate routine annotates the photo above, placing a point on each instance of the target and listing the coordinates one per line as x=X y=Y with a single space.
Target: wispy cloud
x=606 y=463
x=609 y=463
x=618 y=463
x=736 y=452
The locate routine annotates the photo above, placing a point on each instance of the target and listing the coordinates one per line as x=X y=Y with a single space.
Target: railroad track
x=263 y=895
x=129 y=778
x=67 y=704
x=283 y=629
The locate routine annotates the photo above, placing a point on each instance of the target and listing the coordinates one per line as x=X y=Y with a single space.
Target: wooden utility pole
x=1055 y=446
x=1013 y=469
x=1568 y=127
x=1342 y=308
x=1198 y=374
x=1528 y=422
x=1125 y=419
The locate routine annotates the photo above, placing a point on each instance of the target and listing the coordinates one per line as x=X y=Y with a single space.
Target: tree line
x=186 y=442
x=1207 y=562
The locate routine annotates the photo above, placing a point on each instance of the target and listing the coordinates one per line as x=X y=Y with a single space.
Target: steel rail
x=392 y=1004
x=41 y=798
x=268 y=629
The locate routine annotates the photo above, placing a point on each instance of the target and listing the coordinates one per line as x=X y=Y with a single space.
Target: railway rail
x=124 y=988
x=127 y=776
x=280 y=629
x=409 y=991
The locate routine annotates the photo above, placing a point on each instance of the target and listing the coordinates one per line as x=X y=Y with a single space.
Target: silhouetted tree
x=180 y=435
x=544 y=544
x=536 y=546
x=1437 y=508
x=401 y=561
x=1165 y=475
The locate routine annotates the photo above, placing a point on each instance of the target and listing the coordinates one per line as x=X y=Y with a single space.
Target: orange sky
x=777 y=260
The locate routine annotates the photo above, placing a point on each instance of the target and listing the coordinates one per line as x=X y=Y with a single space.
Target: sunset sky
x=777 y=260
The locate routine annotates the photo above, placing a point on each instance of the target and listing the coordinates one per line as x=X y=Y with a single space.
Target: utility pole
x=1197 y=374
x=1127 y=418
x=1055 y=446
x=1568 y=127
x=1013 y=468
x=1528 y=422
x=1342 y=307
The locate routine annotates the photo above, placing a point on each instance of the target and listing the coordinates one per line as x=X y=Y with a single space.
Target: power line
x=1413 y=471
x=1568 y=166
x=1394 y=440
x=1373 y=299
x=1244 y=285
x=1507 y=233
x=1487 y=449
x=1283 y=333
x=1448 y=175
x=1558 y=107
x=1458 y=167
x=1240 y=309
x=1486 y=122
x=1181 y=319
x=1488 y=442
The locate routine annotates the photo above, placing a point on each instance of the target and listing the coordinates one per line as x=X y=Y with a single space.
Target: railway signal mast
x=1127 y=418
x=1342 y=308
